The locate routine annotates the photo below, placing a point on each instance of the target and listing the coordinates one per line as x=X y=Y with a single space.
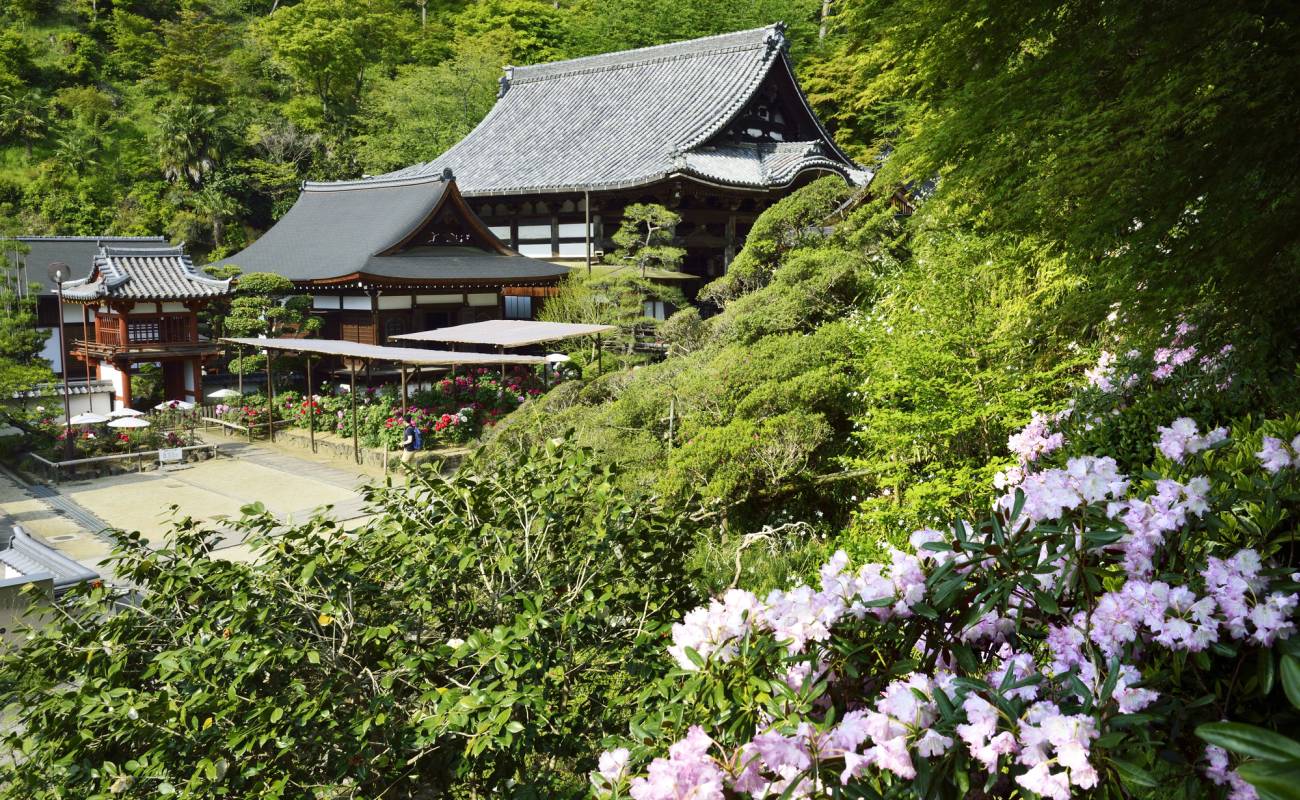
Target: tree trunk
x=826 y=12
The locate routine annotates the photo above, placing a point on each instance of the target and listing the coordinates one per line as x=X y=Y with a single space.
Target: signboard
x=171 y=455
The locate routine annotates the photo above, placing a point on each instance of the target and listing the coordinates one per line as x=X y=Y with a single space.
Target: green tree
x=190 y=66
x=21 y=341
x=1152 y=142
x=534 y=31
x=330 y=45
x=480 y=635
x=422 y=111
x=188 y=142
x=645 y=239
x=22 y=117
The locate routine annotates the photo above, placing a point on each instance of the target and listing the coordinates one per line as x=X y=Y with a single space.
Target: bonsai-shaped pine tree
x=645 y=237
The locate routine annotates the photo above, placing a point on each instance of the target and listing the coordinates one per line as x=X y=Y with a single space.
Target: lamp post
x=56 y=272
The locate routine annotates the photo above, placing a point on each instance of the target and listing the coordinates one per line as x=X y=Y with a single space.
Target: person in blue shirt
x=411 y=440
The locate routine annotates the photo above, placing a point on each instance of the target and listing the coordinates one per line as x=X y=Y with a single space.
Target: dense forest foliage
x=198 y=119
x=1071 y=290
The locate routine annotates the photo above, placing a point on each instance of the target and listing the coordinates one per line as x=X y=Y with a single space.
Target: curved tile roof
x=144 y=273
x=624 y=119
x=346 y=228
x=78 y=252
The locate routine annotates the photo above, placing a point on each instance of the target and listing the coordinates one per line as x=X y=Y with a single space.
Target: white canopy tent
x=508 y=333
x=359 y=353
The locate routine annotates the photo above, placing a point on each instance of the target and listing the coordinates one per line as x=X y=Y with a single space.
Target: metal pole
x=501 y=351
x=85 y=354
x=270 y=398
x=241 y=369
x=311 y=409
x=356 y=448
x=600 y=358
x=586 y=207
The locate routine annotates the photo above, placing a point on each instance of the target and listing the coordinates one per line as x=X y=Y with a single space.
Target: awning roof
x=401 y=355
x=507 y=332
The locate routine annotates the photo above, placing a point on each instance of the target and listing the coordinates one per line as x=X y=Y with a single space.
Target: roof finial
x=447 y=175
x=504 y=81
x=775 y=38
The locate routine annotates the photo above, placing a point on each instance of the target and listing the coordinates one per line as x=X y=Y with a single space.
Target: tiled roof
x=340 y=229
x=630 y=119
x=32 y=560
x=78 y=252
x=759 y=165
x=145 y=273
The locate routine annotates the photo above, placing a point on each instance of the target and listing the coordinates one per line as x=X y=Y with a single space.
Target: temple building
x=716 y=129
x=144 y=304
x=77 y=253
x=386 y=257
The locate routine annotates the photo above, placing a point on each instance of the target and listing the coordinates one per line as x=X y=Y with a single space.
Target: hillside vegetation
x=199 y=119
x=1039 y=385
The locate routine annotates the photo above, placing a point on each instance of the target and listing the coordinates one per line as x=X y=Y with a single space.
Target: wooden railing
x=108 y=336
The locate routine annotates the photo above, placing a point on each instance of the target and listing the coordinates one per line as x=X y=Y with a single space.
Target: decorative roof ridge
x=171 y=250
x=378 y=182
x=773 y=39
x=25 y=238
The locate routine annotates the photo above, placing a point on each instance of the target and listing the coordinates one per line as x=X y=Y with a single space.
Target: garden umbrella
x=124 y=412
x=129 y=422
x=87 y=419
x=224 y=394
x=174 y=405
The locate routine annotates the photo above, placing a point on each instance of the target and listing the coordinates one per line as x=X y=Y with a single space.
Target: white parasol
x=87 y=419
x=129 y=422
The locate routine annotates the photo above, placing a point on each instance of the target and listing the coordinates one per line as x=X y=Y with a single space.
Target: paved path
x=72 y=516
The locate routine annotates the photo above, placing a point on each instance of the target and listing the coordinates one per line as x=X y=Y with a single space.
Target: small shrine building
x=144 y=304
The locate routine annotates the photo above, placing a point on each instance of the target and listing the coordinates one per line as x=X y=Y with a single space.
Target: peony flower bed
x=453 y=411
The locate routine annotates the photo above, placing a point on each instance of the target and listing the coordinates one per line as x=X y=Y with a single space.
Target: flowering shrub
x=453 y=411
x=1072 y=640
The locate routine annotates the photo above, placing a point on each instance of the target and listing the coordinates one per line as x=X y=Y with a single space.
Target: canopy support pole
x=600 y=358
x=356 y=448
x=402 y=370
x=241 y=369
x=311 y=408
x=501 y=351
x=270 y=398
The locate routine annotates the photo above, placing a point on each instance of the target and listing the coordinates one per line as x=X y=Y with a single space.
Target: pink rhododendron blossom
x=1182 y=439
x=1274 y=456
x=1218 y=772
x=1035 y=439
x=687 y=774
x=612 y=765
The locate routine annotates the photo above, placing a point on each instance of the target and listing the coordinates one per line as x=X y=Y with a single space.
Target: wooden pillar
x=729 y=246
x=270 y=397
x=374 y=323
x=600 y=358
x=124 y=367
x=197 y=366
x=555 y=235
x=402 y=370
x=85 y=355
x=311 y=410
